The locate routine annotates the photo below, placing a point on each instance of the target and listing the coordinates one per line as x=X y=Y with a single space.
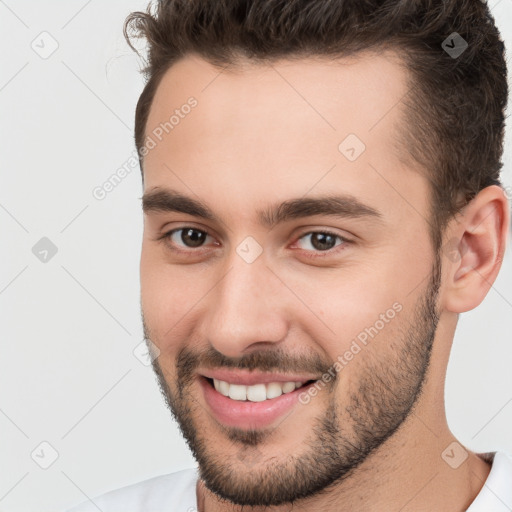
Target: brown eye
x=321 y=241
x=187 y=237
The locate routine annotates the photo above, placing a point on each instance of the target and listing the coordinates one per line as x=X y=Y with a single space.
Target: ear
x=475 y=248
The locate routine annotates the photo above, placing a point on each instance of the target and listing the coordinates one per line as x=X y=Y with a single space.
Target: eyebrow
x=343 y=206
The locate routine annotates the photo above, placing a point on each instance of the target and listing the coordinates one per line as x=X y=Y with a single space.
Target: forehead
x=290 y=125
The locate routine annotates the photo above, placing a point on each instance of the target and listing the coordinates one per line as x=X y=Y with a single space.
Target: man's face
x=259 y=296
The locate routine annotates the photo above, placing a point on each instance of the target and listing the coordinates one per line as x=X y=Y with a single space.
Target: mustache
x=188 y=361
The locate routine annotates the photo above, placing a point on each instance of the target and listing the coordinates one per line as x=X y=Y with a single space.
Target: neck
x=407 y=473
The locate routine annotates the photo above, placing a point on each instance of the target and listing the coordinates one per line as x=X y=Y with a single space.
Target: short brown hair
x=455 y=110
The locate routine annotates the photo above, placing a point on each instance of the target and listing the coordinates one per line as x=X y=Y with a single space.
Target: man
x=321 y=202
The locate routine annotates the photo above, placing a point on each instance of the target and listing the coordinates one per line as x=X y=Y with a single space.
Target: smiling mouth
x=256 y=392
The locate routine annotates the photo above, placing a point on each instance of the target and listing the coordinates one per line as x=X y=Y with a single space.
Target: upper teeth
x=257 y=392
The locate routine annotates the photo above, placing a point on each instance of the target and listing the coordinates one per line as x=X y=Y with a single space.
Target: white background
x=68 y=375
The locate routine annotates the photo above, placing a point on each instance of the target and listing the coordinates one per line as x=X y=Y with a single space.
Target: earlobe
x=478 y=242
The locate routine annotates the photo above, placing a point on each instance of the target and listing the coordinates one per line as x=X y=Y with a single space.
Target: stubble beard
x=339 y=441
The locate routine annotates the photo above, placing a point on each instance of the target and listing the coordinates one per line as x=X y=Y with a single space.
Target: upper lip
x=249 y=378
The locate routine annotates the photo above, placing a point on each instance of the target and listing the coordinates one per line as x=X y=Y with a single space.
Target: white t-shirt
x=176 y=492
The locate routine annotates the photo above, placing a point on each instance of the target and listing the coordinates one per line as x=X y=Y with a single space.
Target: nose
x=247 y=308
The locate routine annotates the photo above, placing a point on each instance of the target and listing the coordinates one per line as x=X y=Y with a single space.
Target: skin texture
x=265 y=134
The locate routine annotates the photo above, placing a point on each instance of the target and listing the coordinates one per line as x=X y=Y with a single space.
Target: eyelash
x=317 y=254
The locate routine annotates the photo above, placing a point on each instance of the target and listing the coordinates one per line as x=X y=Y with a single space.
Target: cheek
x=349 y=297
x=171 y=296
x=357 y=308
x=164 y=298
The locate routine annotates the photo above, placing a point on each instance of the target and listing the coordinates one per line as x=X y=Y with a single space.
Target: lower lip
x=246 y=414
